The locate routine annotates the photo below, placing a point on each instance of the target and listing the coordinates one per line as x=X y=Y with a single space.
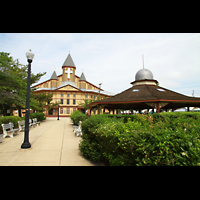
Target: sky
x=113 y=59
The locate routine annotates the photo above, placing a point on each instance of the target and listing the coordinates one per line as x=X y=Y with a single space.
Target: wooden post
x=157 y=108
x=90 y=112
x=188 y=109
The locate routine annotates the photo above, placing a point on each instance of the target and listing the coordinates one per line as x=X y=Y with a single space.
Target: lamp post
x=58 y=109
x=99 y=89
x=26 y=144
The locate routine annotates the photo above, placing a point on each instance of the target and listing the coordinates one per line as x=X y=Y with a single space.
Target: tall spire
x=69 y=61
x=54 y=76
x=82 y=78
x=143 y=60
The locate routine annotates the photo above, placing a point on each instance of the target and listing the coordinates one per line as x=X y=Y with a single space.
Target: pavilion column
x=157 y=108
x=188 y=109
x=90 y=111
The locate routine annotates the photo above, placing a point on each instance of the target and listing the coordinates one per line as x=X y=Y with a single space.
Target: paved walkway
x=52 y=143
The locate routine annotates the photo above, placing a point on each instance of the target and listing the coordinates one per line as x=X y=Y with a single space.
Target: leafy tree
x=86 y=102
x=45 y=100
x=13 y=81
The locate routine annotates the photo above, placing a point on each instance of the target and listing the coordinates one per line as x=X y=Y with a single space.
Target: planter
x=1 y=136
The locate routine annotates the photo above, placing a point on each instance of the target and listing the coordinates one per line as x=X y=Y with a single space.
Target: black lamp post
x=26 y=144
x=58 y=110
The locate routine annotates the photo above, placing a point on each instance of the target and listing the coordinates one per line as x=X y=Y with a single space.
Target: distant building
x=69 y=89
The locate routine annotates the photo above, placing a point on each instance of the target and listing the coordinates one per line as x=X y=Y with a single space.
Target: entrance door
x=51 y=112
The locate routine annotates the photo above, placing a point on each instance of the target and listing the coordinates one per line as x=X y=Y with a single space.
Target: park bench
x=77 y=129
x=21 y=125
x=32 y=123
x=8 y=129
x=35 y=121
x=1 y=136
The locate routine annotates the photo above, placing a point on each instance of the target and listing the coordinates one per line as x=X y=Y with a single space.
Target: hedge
x=7 y=119
x=15 y=119
x=76 y=116
x=148 y=140
x=160 y=116
x=40 y=116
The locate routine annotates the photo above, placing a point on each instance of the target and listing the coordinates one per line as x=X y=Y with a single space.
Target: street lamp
x=99 y=89
x=58 y=110
x=26 y=144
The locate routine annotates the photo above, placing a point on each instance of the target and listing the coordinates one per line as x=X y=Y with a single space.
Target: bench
x=31 y=124
x=8 y=129
x=1 y=136
x=21 y=125
x=77 y=129
x=35 y=121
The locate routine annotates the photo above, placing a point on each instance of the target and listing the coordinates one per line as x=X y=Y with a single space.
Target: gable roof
x=66 y=83
x=69 y=62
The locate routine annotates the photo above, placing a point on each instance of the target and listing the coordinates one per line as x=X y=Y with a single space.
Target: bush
x=90 y=145
x=7 y=119
x=147 y=140
x=76 y=116
x=40 y=116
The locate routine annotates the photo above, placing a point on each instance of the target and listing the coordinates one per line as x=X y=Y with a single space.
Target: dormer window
x=161 y=90
x=136 y=90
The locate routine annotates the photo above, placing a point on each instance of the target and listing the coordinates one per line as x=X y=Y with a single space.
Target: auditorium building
x=70 y=90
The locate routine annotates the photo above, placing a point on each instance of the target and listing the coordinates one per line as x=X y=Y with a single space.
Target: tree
x=45 y=100
x=86 y=102
x=13 y=80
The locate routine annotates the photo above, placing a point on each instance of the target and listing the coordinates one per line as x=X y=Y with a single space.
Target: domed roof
x=143 y=74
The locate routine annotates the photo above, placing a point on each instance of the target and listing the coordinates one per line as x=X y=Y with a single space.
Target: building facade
x=70 y=90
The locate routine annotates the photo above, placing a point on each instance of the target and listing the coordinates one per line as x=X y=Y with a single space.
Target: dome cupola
x=143 y=74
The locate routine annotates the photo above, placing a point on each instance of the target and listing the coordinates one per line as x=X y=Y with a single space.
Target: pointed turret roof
x=82 y=78
x=54 y=76
x=69 y=61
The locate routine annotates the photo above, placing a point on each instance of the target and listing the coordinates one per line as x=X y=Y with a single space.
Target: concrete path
x=53 y=143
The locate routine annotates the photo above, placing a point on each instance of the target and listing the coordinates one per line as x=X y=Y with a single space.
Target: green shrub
x=90 y=145
x=40 y=116
x=7 y=119
x=147 y=140
x=76 y=116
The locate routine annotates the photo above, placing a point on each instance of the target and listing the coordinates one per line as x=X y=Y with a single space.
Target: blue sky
x=113 y=59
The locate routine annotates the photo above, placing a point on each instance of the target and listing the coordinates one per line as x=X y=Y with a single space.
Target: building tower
x=68 y=68
x=82 y=81
x=54 y=80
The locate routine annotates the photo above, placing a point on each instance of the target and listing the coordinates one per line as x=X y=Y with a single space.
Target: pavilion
x=146 y=94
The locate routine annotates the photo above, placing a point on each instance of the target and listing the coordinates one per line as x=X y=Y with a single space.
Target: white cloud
x=113 y=59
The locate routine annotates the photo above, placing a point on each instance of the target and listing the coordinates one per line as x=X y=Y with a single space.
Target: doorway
x=51 y=112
